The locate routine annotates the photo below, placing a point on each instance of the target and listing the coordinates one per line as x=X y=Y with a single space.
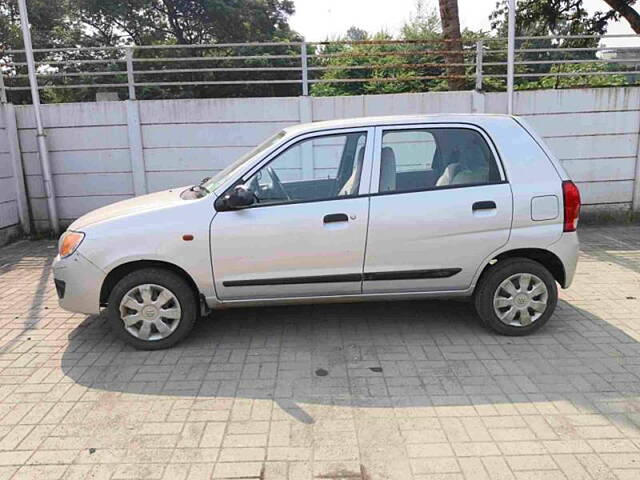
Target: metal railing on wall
x=303 y=68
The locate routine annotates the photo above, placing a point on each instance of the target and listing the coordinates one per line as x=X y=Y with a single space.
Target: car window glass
x=413 y=149
x=231 y=170
x=318 y=168
x=419 y=159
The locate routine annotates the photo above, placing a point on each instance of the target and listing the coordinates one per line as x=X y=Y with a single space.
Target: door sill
x=365 y=297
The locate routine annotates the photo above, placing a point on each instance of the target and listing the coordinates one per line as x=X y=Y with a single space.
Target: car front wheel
x=516 y=297
x=152 y=309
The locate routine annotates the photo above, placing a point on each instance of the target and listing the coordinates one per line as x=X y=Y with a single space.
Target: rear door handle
x=486 y=205
x=336 y=217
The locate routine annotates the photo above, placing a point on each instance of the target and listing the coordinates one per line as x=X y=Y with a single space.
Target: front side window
x=318 y=168
x=422 y=159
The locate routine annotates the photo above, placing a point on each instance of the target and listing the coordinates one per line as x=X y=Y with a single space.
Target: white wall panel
x=83 y=185
x=209 y=134
x=593 y=123
x=157 y=181
x=70 y=208
x=222 y=110
x=77 y=138
x=83 y=161
x=600 y=169
x=7 y=190
x=576 y=100
x=331 y=108
x=605 y=192
x=191 y=158
x=74 y=115
x=8 y=213
x=6 y=168
x=594 y=146
x=8 y=194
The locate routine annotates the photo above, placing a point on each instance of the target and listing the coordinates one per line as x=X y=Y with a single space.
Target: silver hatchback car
x=384 y=208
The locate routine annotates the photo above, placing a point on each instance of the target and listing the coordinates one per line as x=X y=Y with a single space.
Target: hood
x=132 y=206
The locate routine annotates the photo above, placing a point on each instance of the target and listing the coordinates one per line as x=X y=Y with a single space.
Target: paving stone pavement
x=414 y=390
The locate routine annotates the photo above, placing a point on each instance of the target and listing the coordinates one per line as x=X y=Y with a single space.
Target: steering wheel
x=273 y=192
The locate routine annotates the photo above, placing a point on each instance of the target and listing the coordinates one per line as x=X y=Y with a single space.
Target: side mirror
x=241 y=196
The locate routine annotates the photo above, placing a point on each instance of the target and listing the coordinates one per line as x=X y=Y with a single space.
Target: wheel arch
x=547 y=259
x=119 y=272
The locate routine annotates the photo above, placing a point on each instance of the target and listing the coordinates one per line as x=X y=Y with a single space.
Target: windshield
x=221 y=177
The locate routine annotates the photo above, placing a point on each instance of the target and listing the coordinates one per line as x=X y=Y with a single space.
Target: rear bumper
x=567 y=249
x=78 y=283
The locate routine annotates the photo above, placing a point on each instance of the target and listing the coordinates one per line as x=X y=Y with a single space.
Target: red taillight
x=571 y=196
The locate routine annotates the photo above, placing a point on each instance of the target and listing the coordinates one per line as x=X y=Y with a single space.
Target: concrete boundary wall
x=14 y=214
x=8 y=196
x=108 y=151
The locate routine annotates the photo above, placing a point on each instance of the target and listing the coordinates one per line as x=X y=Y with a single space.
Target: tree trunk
x=453 y=42
x=629 y=13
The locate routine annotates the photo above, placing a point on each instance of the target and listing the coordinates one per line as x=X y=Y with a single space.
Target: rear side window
x=421 y=159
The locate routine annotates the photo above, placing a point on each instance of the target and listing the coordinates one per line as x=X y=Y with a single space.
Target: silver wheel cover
x=150 y=312
x=520 y=300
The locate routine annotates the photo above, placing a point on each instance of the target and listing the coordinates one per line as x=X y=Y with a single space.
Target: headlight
x=69 y=243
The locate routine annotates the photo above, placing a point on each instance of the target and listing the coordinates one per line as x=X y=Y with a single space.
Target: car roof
x=475 y=119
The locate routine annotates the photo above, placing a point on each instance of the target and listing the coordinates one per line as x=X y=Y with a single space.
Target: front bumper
x=78 y=283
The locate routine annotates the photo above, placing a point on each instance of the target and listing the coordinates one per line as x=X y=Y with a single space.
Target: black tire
x=164 y=278
x=491 y=280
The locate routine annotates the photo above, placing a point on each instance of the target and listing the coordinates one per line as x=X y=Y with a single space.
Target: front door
x=442 y=207
x=306 y=234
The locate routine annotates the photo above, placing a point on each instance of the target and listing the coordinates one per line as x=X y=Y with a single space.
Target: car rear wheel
x=152 y=309
x=516 y=297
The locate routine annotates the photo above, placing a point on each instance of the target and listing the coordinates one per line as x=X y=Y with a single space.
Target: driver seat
x=387 y=170
x=353 y=182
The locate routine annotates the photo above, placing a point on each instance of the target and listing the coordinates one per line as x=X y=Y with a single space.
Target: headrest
x=388 y=155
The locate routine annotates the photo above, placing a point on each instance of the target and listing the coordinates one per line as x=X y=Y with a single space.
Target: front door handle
x=336 y=217
x=486 y=205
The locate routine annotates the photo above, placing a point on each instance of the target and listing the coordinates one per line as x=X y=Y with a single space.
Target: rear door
x=441 y=206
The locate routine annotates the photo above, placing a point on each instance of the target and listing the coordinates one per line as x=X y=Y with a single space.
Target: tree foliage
x=186 y=21
x=551 y=17
x=559 y=18
x=388 y=67
x=452 y=43
x=112 y=22
x=91 y=23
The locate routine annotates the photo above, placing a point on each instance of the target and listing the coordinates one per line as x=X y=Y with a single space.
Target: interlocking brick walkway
x=368 y=391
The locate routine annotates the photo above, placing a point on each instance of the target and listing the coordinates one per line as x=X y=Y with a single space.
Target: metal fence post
x=479 y=53
x=130 y=77
x=511 y=41
x=305 y=69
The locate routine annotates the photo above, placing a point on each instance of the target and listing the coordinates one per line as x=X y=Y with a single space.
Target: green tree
x=452 y=41
x=625 y=9
x=51 y=26
x=555 y=18
x=187 y=22
x=385 y=67
x=57 y=23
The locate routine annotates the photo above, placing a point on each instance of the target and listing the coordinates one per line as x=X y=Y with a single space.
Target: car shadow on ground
x=375 y=355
